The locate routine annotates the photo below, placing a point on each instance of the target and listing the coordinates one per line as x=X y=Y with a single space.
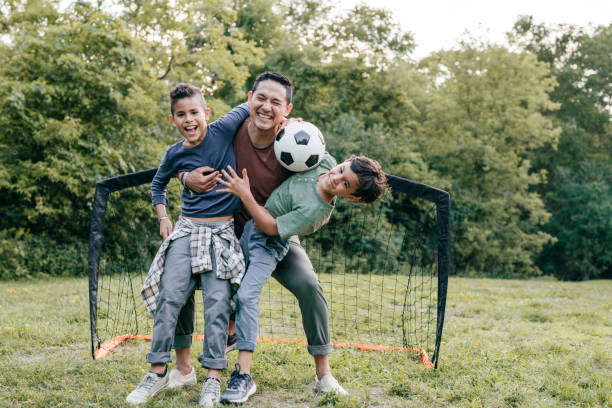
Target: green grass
x=506 y=343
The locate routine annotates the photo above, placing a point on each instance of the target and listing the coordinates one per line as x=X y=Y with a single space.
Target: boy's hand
x=203 y=179
x=240 y=187
x=165 y=228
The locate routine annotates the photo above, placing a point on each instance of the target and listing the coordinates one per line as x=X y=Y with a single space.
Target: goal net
x=383 y=268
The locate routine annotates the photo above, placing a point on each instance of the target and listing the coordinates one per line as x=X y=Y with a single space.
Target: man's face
x=268 y=105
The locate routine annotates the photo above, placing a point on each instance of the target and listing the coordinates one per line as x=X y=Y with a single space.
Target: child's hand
x=165 y=228
x=240 y=187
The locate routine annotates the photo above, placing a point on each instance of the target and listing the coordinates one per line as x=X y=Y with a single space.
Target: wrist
x=164 y=217
x=184 y=178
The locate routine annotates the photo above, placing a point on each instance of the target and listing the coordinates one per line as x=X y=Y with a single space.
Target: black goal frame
x=440 y=198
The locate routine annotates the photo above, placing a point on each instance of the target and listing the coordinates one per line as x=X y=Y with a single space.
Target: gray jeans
x=177 y=288
x=296 y=273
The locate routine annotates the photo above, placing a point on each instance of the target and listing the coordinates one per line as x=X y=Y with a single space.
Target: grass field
x=506 y=343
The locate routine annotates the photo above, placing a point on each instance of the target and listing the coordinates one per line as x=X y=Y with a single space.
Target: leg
x=216 y=294
x=264 y=253
x=295 y=272
x=177 y=285
x=183 y=336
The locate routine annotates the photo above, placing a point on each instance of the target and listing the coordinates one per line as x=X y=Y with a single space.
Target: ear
x=172 y=119
x=250 y=95
x=207 y=114
x=288 y=109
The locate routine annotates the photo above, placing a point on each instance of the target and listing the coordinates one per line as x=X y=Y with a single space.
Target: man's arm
x=241 y=188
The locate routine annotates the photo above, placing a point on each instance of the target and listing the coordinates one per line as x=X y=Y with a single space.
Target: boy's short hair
x=276 y=77
x=184 y=90
x=372 y=179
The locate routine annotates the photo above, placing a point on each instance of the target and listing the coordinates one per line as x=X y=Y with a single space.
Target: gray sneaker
x=209 y=397
x=150 y=385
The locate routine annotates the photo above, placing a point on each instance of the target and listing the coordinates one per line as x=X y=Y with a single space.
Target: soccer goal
x=383 y=267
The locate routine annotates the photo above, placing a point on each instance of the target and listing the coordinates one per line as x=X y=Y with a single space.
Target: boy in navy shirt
x=202 y=249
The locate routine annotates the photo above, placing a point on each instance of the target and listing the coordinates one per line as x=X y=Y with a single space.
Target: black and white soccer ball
x=299 y=146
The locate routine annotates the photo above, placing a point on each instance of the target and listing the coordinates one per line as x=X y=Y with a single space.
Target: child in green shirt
x=299 y=206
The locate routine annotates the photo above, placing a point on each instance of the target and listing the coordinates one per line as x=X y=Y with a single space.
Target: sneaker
x=231 y=343
x=239 y=388
x=177 y=379
x=150 y=385
x=209 y=397
x=328 y=384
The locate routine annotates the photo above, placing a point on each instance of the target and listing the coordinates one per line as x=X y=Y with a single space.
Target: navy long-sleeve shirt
x=216 y=151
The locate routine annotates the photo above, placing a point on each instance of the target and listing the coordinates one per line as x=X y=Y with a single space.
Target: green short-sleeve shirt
x=296 y=205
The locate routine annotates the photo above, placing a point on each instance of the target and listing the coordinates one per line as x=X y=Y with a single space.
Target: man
x=269 y=104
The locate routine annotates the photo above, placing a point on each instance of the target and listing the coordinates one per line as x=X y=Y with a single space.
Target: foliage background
x=520 y=135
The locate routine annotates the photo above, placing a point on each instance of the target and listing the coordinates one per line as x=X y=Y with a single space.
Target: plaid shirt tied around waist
x=230 y=261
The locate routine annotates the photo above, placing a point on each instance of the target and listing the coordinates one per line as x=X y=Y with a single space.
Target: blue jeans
x=262 y=253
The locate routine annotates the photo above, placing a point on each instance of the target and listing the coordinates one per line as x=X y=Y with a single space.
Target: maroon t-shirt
x=264 y=171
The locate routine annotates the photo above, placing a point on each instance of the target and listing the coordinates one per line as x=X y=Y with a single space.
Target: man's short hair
x=372 y=180
x=183 y=90
x=276 y=77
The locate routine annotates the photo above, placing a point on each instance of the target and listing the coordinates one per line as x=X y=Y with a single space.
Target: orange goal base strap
x=109 y=345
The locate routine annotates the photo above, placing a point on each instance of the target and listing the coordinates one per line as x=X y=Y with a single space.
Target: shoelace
x=236 y=379
x=211 y=386
x=147 y=382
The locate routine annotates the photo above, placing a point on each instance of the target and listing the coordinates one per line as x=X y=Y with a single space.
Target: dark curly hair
x=372 y=180
x=184 y=90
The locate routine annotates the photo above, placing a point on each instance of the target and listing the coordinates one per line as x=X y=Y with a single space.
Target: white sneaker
x=150 y=385
x=328 y=384
x=179 y=380
x=211 y=390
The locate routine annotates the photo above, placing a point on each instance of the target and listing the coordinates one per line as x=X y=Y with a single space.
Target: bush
x=31 y=256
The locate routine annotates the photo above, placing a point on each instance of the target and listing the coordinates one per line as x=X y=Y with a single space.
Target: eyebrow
x=347 y=181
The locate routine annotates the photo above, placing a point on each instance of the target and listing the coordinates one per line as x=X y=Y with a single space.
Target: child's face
x=340 y=181
x=190 y=119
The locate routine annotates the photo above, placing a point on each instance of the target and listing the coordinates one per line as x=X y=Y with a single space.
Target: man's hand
x=240 y=187
x=285 y=123
x=165 y=228
x=202 y=179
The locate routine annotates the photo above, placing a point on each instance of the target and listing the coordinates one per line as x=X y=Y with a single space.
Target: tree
x=580 y=63
x=482 y=118
x=80 y=104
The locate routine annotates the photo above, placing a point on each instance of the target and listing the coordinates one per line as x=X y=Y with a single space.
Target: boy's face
x=268 y=105
x=190 y=118
x=340 y=181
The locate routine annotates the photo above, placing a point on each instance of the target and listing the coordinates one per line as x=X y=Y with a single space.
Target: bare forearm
x=160 y=209
x=264 y=222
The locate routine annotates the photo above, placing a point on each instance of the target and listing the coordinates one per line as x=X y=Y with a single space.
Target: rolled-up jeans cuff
x=245 y=345
x=182 y=341
x=213 y=363
x=320 y=349
x=159 y=357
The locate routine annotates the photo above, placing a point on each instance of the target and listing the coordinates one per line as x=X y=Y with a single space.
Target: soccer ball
x=299 y=146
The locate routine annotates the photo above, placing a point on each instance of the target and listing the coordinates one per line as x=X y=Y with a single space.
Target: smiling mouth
x=264 y=116
x=191 y=129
